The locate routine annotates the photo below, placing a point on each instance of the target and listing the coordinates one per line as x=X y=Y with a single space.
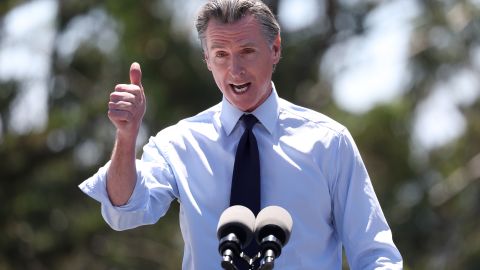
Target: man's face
x=241 y=61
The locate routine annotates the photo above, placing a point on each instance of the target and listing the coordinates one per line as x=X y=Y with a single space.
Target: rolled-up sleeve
x=359 y=219
x=154 y=190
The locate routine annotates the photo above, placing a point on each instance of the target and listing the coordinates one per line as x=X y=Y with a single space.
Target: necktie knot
x=250 y=120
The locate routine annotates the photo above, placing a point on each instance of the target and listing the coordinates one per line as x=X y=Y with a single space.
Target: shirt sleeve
x=359 y=219
x=154 y=190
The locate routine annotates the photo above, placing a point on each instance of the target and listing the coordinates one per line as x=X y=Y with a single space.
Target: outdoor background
x=402 y=75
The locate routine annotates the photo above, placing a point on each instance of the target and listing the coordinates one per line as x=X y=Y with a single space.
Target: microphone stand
x=228 y=263
x=271 y=246
x=271 y=249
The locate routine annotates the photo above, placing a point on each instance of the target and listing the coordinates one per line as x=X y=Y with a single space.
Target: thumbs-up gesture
x=127 y=104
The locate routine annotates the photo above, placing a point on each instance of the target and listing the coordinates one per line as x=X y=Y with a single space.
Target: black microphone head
x=276 y=221
x=238 y=220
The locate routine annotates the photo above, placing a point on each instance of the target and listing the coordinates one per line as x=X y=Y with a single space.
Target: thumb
x=136 y=74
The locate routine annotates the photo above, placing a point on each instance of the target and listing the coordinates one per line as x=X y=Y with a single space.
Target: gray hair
x=230 y=11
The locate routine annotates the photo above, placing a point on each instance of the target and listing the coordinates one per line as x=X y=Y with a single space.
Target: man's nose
x=236 y=67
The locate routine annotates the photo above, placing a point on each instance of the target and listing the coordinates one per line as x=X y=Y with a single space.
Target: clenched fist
x=127 y=104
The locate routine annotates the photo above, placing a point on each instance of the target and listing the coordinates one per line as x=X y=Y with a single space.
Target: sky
x=25 y=50
x=367 y=70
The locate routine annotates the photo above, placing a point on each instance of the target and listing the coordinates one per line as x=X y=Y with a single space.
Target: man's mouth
x=240 y=88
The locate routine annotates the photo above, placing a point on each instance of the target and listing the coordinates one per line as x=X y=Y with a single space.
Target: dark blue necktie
x=246 y=170
x=246 y=177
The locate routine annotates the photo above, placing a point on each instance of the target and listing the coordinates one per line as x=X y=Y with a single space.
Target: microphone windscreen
x=274 y=220
x=239 y=220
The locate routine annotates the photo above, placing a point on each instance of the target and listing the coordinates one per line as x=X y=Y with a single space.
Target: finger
x=120 y=115
x=122 y=105
x=136 y=74
x=123 y=96
x=128 y=92
x=131 y=88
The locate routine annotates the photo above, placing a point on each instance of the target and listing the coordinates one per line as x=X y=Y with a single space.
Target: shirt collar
x=266 y=113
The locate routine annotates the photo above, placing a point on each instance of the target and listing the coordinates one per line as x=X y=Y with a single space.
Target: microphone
x=273 y=227
x=234 y=231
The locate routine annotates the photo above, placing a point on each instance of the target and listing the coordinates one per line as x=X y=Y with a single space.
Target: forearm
x=122 y=173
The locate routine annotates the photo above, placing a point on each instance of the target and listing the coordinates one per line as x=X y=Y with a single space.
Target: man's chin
x=245 y=107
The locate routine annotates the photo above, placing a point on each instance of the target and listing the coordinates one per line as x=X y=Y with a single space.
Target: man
x=309 y=164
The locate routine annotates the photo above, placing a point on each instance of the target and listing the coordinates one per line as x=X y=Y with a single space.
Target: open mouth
x=240 y=88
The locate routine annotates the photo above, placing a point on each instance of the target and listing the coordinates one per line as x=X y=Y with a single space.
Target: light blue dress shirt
x=309 y=165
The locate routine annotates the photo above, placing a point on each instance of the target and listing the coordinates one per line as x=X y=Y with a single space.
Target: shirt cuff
x=96 y=188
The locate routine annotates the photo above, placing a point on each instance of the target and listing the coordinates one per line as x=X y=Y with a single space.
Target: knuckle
x=119 y=87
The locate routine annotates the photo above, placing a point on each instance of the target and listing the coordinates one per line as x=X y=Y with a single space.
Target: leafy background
x=429 y=192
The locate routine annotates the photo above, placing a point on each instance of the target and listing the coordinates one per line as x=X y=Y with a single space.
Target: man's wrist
x=126 y=138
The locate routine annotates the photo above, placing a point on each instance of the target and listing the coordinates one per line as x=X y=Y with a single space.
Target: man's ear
x=206 y=59
x=277 y=49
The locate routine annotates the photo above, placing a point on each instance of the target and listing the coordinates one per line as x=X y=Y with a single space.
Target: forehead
x=245 y=30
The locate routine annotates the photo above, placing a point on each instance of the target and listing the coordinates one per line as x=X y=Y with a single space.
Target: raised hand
x=127 y=104
x=126 y=109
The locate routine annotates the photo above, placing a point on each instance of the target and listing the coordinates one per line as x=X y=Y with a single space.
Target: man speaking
x=253 y=149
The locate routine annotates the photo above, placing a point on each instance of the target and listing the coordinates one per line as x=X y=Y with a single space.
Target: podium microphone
x=234 y=231
x=273 y=227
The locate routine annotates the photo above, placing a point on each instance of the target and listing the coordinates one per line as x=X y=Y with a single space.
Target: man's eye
x=220 y=54
x=248 y=50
